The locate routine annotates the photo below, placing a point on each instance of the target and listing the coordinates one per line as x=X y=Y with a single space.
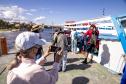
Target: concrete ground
x=76 y=72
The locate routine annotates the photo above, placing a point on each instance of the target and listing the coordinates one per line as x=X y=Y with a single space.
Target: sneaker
x=91 y=61
x=63 y=70
x=77 y=52
x=60 y=69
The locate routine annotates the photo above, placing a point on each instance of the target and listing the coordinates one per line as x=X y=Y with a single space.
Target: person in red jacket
x=92 y=35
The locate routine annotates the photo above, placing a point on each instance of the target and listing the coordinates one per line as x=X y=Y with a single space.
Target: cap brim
x=41 y=42
x=34 y=29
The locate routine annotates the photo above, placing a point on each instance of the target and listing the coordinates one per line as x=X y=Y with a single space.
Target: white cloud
x=18 y=14
x=29 y=14
x=9 y=14
x=33 y=10
x=22 y=18
x=13 y=13
x=14 y=9
x=39 y=18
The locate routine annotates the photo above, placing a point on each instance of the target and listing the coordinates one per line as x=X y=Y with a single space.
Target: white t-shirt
x=72 y=34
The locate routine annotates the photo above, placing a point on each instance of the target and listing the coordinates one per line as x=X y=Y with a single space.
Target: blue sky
x=59 y=11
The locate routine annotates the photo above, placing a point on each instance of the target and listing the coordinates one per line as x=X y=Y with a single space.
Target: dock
x=76 y=72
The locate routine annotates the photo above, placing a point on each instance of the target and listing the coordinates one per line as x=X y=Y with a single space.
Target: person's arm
x=71 y=34
x=86 y=33
x=97 y=32
x=55 y=38
x=42 y=60
x=49 y=77
x=66 y=41
x=42 y=76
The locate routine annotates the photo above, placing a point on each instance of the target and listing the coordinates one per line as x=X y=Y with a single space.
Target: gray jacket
x=62 y=41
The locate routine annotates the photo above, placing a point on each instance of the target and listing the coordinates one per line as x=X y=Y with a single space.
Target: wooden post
x=3 y=46
x=0 y=48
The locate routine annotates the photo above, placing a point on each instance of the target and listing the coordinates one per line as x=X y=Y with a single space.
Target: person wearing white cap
x=24 y=70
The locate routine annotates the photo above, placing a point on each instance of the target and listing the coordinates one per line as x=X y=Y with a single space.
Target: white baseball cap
x=26 y=40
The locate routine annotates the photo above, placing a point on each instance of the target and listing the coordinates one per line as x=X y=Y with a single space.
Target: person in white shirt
x=74 y=41
x=24 y=70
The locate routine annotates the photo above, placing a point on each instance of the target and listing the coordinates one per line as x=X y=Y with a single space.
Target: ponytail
x=15 y=62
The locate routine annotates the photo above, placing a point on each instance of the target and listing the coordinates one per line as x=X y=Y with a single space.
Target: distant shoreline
x=8 y=30
x=11 y=30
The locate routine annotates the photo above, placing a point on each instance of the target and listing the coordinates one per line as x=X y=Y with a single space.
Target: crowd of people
x=87 y=42
x=27 y=67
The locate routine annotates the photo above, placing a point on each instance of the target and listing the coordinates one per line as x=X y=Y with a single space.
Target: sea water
x=11 y=36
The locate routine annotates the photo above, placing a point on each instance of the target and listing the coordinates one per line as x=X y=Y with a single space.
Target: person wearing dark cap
x=63 y=44
x=92 y=35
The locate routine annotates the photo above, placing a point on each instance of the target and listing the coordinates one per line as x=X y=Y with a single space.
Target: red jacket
x=89 y=34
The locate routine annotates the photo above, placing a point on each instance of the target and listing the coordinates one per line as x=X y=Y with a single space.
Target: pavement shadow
x=105 y=56
x=80 y=80
x=75 y=67
x=71 y=60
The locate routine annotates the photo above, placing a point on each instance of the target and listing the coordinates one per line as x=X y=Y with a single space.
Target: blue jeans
x=73 y=45
x=63 y=61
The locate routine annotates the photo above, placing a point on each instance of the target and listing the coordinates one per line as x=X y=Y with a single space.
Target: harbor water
x=11 y=35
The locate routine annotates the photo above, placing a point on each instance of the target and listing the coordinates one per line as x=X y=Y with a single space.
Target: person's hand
x=42 y=62
x=60 y=52
x=47 y=52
